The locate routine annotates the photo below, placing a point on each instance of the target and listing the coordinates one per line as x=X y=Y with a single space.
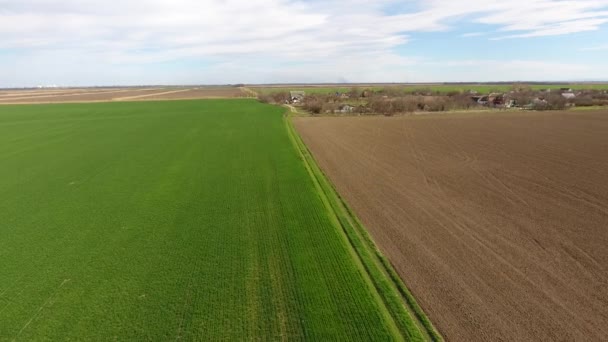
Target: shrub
x=392 y=91
x=551 y=102
x=583 y=101
x=380 y=106
x=404 y=105
x=265 y=98
x=523 y=98
x=329 y=107
x=423 y=91
x=313 y=104
x=280 y=97
x=521 y=88
x=354 y=92
x=435 y=104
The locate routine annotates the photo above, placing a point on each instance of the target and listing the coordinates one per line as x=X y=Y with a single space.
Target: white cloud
x=567 y=27
x=473 y=34
x=516 y=70
x=337 y=37
x=596 y=48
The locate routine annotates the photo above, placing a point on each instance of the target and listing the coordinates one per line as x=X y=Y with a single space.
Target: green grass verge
x=193 y=220
x=588 y=108
x=399 y=301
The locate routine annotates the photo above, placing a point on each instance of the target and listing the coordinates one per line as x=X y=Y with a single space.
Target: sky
x=137 y=42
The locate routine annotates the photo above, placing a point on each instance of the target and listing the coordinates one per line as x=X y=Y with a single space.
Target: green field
x=441 y=88
x=195 y=220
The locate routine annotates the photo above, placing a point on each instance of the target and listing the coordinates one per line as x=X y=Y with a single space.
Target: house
x=569 y=95
x=496 y=99
x=483 y=100
x=346 y=109
x=296 y=96
x=493 y=99
x=476 y=98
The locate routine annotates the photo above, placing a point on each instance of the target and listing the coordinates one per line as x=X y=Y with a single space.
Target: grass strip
x=413 y=324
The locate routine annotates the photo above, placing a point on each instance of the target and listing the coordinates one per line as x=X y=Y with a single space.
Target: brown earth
x=199 y=93
x=78 y=95
x=120 y=94
x=23 y=93
x=498 y=223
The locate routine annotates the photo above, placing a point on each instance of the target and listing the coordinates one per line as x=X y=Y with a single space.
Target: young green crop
x=188 y=220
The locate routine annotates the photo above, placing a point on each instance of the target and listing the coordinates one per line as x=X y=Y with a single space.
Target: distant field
x=194 y=220
x=442 y=88
x=497 y=222
x=308 y=89
x=116 y=94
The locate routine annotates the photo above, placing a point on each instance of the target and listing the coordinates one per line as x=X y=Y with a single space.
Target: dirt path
x=497 y=223
x=126 y=98
x=72 y=93
x=248 y=91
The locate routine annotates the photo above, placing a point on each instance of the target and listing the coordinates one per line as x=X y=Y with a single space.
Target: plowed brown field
x=117 y=94
x=498 y=223
x=73 y=95
x=199 y=93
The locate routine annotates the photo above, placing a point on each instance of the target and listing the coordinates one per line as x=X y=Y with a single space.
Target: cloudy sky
x=129 y=42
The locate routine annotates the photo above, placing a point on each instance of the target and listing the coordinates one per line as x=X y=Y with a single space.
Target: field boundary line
x=126 y=98
x=395 y=298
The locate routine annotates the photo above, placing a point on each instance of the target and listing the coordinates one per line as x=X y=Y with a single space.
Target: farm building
x=569 y=95
x=496 y=99
x=510 y=103
x=346 y=109
x=493 y=99
x=482 y=100
x=296 y=96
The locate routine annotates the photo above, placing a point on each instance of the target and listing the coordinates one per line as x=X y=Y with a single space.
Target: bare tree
x=521 y=88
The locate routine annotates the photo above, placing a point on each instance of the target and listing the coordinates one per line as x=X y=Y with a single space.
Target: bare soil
x=78 y=95
x=118 y=94
x=25 y=93
x=200 y=93
x=498 y=223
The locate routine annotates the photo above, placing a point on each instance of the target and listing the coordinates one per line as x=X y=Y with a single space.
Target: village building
x=346 y=109
x=296 y=96
x=569 y=95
